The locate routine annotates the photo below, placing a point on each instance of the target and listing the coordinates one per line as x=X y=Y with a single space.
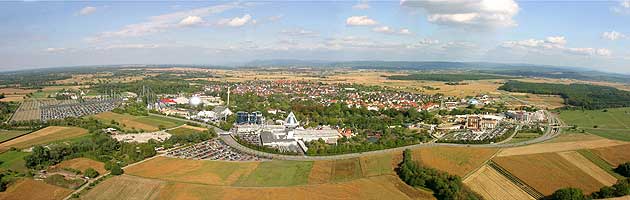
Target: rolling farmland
x=492 y=185
x=454 y=160
x=29 y=189
x=44 y=136
x=547 y=172
x=615 y=155
x=611 y=123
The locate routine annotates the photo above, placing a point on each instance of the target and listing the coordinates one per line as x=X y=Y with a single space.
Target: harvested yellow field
x=44 y=136
x=29 y=189
x=193 y=127
x=548 y=172
x=379 y=187
x=587 y=166
x=559 y=146
x=615 y=155
x=8 y=91
x=127 y=120
x=454 y=160
x=125 y=187
x=82 y=164
x=12 y=97
x=192 y=171
x=377 y=165
x=490 y=184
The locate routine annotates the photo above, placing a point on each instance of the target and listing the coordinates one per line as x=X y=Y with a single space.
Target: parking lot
x=213 y=149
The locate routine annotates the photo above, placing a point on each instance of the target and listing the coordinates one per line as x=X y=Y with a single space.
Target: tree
x=116 y=170
x=568 y=194
x=91 y=173
x=624 y=169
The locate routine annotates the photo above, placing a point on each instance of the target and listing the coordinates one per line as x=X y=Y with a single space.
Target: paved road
x=552 y=131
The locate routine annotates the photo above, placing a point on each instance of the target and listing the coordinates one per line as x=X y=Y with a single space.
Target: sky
x=591 y=34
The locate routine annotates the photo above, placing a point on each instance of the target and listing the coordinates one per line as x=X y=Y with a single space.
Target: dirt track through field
x=559 y=147
x=587 y=166
x=492 y=185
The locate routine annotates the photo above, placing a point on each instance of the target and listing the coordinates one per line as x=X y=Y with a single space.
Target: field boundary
x=518 y=182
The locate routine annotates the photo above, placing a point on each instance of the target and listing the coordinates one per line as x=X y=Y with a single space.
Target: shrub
x=116 y=170
x=91 y=173
x=624 y=169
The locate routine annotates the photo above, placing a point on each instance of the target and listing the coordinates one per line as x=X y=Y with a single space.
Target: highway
x=553 y=130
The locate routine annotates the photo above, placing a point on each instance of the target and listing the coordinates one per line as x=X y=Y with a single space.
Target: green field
x=13 y=160
x=277 y=173
x=599 y=162
x=157 y=121
x=377 y=165
x=613 y=123
x=183 y=131
x=131 y=122
x=347 y=169
x=523 y=136
x=7 y=135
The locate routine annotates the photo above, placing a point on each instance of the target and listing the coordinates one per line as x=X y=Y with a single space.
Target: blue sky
x=593 y=34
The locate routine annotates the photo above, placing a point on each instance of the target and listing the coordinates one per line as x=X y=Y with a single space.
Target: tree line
x=579 y=95
x=443 y=185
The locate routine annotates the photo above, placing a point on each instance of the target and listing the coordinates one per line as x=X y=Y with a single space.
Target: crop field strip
x=614 y=155
x=587 y=166
x=518 y=182
x=601 y=163
x=492 y=185
x=44 y=136
x=547 y=172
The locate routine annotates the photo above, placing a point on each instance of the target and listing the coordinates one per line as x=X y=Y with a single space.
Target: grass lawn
x=13 y=160
x=7 y=135
x=277 y=173
x=131 y=122
x=377 y=165
x=521 y=136
x=613 y=123
x=599 y=162
x=347 y=169
x=183 y=131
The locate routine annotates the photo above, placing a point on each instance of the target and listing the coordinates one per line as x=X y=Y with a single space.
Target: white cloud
x=161 y=23
x=275 y=18
x=468 y=13
x=55 y=50
x=300 y=32
x=383 y=29
x=130 y=46
x=625 y=3
x=362 y=5
x=613 y=35
x=360 y=21
x=191 y=21
x=554 y=45
x=405 y=31
x=237 y=21
x=558 y=40
x=87 y=10
x=388 y=30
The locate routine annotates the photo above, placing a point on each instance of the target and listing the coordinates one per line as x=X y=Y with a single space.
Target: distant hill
x=522 y=70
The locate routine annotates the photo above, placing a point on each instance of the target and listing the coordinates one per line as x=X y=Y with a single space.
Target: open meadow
x=13 y=160
x=186 y=130
x=44 y=136
x=131 y=122
x=8 y=135
x=613 y=123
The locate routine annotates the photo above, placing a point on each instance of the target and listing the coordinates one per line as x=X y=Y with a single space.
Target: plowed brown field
x=454 y=160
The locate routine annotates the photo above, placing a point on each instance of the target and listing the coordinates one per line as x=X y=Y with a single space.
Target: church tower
x=291 y=122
